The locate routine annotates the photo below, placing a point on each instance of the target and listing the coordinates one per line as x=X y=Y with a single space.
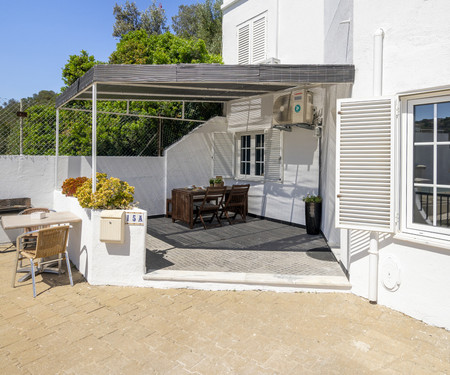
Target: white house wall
x=416 y=44
x=416 y=55
x=338 y=32
x=294 y=29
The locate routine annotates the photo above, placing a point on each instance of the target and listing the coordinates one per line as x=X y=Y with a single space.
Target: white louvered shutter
x=223 y=155
x=272 y=151
x=365 y=164
x=259 y=40
x=244 y=44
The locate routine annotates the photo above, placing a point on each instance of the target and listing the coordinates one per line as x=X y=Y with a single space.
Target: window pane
x=258 y=169
x=423 y=164
x=242 y=168
x=443 y=122
x=423 y=205
x=247 y=170
x=259 y=140
x=442 y=208
x=443 y=164
x=248 y=154
x=423 y=122
x=258 y=155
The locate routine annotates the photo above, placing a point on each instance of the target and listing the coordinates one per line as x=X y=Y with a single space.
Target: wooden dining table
x=183 y=203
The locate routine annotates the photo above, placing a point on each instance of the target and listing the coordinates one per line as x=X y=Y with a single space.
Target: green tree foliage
x=77 y=66
x=137 y=47
x=129 y=18
x=201 y=21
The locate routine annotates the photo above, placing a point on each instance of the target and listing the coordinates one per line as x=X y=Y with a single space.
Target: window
x=251 y=40
x=428 y=165
x=251 y=159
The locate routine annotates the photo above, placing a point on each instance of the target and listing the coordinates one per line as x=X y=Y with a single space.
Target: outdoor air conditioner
x=294 y=107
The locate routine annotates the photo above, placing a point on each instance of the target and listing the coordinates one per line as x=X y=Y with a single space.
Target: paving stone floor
x=257 y=246
x=89 y=329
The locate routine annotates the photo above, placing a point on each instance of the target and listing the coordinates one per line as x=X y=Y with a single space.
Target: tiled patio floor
x=117 y=330
x=257 y=246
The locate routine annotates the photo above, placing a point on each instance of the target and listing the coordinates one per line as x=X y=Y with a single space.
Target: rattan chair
x=236 y=202
x=211 y=203
x=49 y=243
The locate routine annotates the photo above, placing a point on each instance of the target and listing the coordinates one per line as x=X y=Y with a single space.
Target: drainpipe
x=374 y=236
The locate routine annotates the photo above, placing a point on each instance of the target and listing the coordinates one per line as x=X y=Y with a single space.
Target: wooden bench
x=14 y=204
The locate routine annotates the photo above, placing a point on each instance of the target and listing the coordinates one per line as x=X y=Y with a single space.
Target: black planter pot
x=313 y=215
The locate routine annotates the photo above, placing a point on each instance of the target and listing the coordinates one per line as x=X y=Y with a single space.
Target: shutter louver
x=365 y=164
x=259 y=40
x=272 y=162
x=244 y=44
x=223 y=155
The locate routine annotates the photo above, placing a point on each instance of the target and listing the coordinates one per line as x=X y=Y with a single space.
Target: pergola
x=190 y=83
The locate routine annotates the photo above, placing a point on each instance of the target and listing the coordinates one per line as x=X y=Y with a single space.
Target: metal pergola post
x=56 y=148
x=94 y=137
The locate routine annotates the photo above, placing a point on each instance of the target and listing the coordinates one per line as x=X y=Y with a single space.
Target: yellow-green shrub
x=111 y=193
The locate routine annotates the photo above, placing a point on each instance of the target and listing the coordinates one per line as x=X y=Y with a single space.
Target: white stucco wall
x=416 y=44
x=295 y=30
x=146 y=174
x=28 y=176
x=189 y=161
x=338 y=32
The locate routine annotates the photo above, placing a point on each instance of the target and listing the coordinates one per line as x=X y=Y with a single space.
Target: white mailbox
x=112 y=226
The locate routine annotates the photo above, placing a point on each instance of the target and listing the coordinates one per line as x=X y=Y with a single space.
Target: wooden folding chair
x=211 y=203
x=236 y=202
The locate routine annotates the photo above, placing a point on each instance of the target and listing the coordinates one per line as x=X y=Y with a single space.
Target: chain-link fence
x=28 y=128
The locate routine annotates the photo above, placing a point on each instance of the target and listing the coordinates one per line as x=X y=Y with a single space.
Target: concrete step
x=247 y=281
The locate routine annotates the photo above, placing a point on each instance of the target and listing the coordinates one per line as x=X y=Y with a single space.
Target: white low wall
x=104 y=263
x=146 y=174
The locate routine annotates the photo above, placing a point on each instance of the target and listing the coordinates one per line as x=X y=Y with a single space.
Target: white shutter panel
x=272 y=154
x=244 y=44
x=259 y=40
x=223 y=155
x=365 y=164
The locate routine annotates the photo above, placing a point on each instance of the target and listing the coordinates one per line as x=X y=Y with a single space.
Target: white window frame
x=407 y=224
x=252 y=175
x=251 y=38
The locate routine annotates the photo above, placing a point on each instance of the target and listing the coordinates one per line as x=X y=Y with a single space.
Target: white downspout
x=378 y=62
x=94 y=138
x=374 y=236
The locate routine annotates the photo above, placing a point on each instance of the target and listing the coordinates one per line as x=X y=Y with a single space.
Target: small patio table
x=26 y=221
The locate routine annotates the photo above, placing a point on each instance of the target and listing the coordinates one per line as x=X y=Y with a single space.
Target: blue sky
x=37 y=37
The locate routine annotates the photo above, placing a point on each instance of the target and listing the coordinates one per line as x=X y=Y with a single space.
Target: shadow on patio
x=257 y=247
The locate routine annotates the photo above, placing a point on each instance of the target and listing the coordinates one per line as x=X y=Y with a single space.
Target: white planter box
x=105 y=263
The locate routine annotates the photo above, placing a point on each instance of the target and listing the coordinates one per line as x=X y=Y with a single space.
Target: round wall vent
x=390 y=274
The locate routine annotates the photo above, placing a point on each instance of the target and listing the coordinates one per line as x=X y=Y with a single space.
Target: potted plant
x=211 y=182
x=218 y=182
x=313 y=213
x=71 y=185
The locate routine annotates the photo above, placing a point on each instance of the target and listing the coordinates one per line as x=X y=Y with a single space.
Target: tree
x=201 y=21
x=76 y=66
x=184 y=24
x=129 y=18
x=137 y=47
x=154 y=19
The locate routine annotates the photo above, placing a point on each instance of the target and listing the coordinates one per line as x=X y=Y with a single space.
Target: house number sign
x=134 y=218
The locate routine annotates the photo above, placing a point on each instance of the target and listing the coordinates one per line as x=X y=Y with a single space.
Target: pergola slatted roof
x=199 y=82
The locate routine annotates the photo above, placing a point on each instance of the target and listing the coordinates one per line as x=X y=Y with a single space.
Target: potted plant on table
x=313 y=213
x=218 y=182
x=211 y=182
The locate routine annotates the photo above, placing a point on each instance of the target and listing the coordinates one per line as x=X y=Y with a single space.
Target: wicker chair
x=210 y=204
x=236 y=202
x=50 y=242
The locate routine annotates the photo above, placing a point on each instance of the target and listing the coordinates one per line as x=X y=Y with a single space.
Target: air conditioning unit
x=295 y=107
